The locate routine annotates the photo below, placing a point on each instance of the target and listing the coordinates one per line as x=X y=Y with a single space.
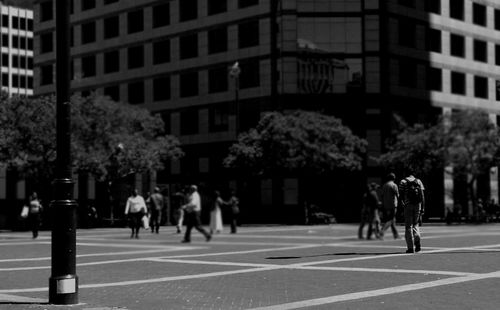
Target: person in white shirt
x=135 y=209
x=192 y=215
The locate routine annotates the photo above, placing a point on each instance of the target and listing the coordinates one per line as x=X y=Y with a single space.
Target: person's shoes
x=410 y=251
x=136 y=236
x=209 y=237
x=185 y=241
x=132 y=236
x=157 y=231
x=397 y=237
x=178 y=230
x=417 y=248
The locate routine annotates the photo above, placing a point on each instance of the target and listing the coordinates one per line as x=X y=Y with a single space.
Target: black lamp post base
x=63 y=290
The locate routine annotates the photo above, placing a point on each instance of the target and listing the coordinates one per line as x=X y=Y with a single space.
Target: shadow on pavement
x=330 y=254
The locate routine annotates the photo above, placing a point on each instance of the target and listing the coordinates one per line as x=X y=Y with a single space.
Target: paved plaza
x=271 y=267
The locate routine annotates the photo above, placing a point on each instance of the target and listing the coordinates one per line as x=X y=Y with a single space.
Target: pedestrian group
x=384 y=202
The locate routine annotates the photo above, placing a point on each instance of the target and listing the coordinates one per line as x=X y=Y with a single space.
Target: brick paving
x=281 y=267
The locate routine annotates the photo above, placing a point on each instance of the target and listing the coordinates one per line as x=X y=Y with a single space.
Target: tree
x=297 y=141
x=99 y=125
x=466 y=140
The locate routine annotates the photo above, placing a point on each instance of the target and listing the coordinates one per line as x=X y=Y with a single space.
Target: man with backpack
x=413 y=201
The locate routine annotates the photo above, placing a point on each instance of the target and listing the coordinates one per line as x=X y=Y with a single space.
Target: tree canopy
x=297 y=141
x=99 y=126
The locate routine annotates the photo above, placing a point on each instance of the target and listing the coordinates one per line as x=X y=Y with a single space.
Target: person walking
x=192 y=215
x=413 y=201
x=34 y=214
x=234 y=205
x=135 y=209
x=156 y=202
x=390 y=197
x=178 y=201
x=369 y=212
x=216 y=225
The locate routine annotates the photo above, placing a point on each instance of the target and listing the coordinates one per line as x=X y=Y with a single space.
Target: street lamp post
x=63 y=282
x=234 y=73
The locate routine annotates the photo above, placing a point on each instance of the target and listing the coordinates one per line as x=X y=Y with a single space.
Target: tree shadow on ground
x=330 y=254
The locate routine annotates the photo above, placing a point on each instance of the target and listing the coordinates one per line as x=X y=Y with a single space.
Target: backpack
x=413 y=191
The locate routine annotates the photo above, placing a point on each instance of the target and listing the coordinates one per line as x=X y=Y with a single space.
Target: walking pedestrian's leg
x=187 y=234
x=197 y=225
x=233 y=224
x=394 y=229
x=416 y=230
x=409 y=220
x=360 y=230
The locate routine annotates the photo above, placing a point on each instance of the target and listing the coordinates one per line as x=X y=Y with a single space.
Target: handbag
x=24 y=212
x=145 y=222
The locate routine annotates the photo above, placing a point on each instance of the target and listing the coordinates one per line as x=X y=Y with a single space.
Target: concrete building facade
x=365 y=61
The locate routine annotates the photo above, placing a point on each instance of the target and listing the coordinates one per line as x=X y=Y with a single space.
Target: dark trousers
x=34 y=219
x=234 y=222
x=154 y=221
x=193 y=220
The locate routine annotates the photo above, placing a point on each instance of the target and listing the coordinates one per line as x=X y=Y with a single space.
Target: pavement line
x=98 y=254
x=20 y=299
x=384 y=270
x=379 y=292
x=147 y=281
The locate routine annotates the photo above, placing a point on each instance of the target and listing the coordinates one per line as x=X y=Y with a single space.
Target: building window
x=15 y=22
x=217 y=79
x=15 y=80
x=250 y=74
x=135 y=21
x=88 y=33
x=189 y=122
x=497 y=19
x=407 y=33
x=110 y=1
x=480 y=87
x=433 y=6
x=497 y=54
x=113 y=92
x=111 y=27
x=407 y=73
x=46 y=12
x=408 y=3
x=497 y=89
x=434 y=79
x=22 y=23
x=217 y=40
x=433 y=40
x=88 y=66
x=188 y=46
x=161 y=52
x=219 y=118
x=5 y=20
x=5 y=40
x=457 y=83
x=46 y=43
x=111 y=61
x=479 y=14
x=46 y=75
x=30 y=44
x=30 y=24
x=5 y=60
x=136 y=57
x=161 y=88
x=161 y=15
x=248 y=34
x=15 y=41
x=136 y=92
x=15 y=61
x=457 y=45
x=480 y=51
x=457 y=9
x=216 y=7
x=188 y=10
x=5 y=79
x=188 y=84
x=247 y=3
x=88 y=4
x=30 y=63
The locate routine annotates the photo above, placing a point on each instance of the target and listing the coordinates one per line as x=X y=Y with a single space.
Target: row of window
x=20 y=23
x=458 y=9
x=434 y=80
x=19 y=42
x=248 y=36
x=17 y=81
x=407 y=38
x=218 y=81
x=188 y=9
x=18 y=61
